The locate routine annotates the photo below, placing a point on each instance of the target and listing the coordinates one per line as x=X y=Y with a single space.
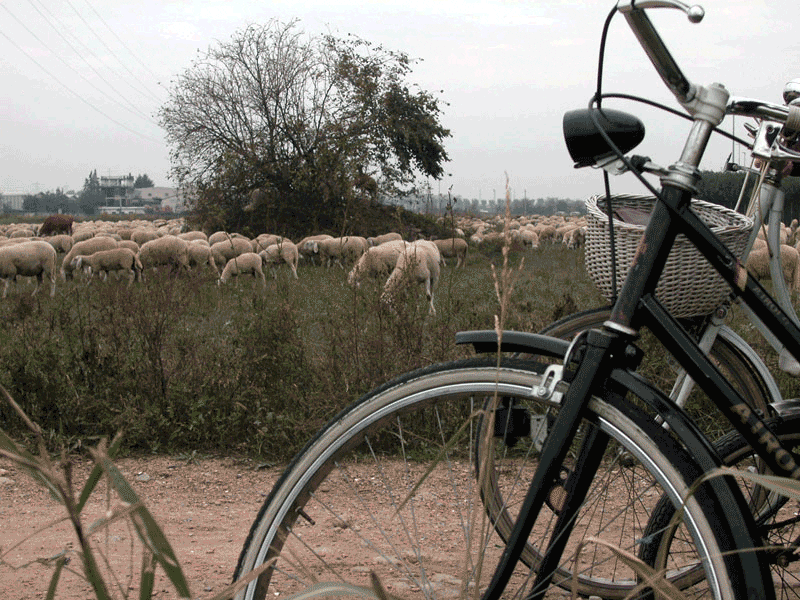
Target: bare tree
x=310 y=123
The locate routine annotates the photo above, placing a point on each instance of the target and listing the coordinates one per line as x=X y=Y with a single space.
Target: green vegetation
x=181 y=364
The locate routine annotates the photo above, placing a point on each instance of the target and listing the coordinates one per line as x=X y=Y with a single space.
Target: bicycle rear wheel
x=387 y=494
x=734 y=364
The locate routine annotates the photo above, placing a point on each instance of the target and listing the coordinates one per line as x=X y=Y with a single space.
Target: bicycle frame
x=602 y=350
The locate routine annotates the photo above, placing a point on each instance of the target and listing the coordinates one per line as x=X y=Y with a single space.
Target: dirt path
x=205 y=508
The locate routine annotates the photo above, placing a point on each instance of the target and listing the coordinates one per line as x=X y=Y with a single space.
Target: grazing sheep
x=546 y=233
x=116 y=259
x=418 y=264
x=61 y=242
x=191 y=236
x=57 y=224
x=142 y=235
x=758 y=265
x=218 y=236
x=167 y=250
x=248 y=263
x=264 y=241
x=128 y=244
x=341 y=251
x=83 y=234
x=29 y=259
x=280 y=253
x=382 y=239
x=575 y=238
x=85 y=247
x=377 y=261
x=529 y=238
x=200 y=255
x=453 y=248
x=22 y=232
x=226 y=249
x=306 y=246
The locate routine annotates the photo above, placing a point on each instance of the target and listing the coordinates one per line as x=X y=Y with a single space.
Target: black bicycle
x=554 y=472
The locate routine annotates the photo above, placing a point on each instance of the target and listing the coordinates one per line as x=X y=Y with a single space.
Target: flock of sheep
x=132 y=249
x=759 y=257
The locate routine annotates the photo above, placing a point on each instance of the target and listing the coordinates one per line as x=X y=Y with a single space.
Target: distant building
x=121 y=210
x=118 y=190
x=170 y=198
x=13 y=201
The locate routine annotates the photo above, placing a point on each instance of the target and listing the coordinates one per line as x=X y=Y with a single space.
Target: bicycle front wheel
x=387 y=496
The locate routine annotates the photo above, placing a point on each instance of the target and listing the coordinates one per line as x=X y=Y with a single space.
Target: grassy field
x=183 y=365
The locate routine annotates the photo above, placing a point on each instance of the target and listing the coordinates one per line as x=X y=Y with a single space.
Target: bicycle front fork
x=595 y=367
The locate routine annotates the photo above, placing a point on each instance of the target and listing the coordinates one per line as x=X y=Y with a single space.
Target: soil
x=205 y=508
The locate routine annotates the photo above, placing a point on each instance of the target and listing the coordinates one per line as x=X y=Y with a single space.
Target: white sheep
x=218 y=236
x=382 y=239
x=377 y=261
x=29 y=259
x=142 y=235
x=24 y=231
x=85 y=247
x=575 y=238
x=418 y=264
x=306 y=246
x=200 y=255
x=62 y=242
x=226 y=249
x=453 y=248
x=191 y=236
x=284 y=252
x=116 y=259
x=758 y=265
x=529 y=238
x=166 y=250
x=248 y=263
x=128 y=244
x=341 y=251
x=264 y=241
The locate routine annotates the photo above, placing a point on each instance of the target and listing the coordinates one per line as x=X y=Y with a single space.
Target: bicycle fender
x=485 y=341
x=675 y=417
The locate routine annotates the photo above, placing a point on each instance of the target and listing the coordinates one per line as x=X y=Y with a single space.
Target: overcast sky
x=82 y=80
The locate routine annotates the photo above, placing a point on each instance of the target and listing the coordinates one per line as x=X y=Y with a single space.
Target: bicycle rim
x=388 y=495
x=777 y=516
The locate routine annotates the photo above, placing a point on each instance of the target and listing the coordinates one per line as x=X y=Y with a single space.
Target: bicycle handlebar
x=676 y=81
x=654 y=46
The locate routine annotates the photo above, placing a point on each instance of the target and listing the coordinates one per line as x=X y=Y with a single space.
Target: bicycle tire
x=377 y=450
x=777 y=517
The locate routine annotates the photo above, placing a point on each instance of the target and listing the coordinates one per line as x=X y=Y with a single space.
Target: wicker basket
x=689 y=285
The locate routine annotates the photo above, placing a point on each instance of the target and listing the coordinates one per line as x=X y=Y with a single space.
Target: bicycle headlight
x=586 y=145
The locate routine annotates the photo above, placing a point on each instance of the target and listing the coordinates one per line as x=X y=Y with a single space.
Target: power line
x=124 y=45
x=66 y=64
x=101 y=40
x=133 y=107
x=144 y=91
x=82 y=99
